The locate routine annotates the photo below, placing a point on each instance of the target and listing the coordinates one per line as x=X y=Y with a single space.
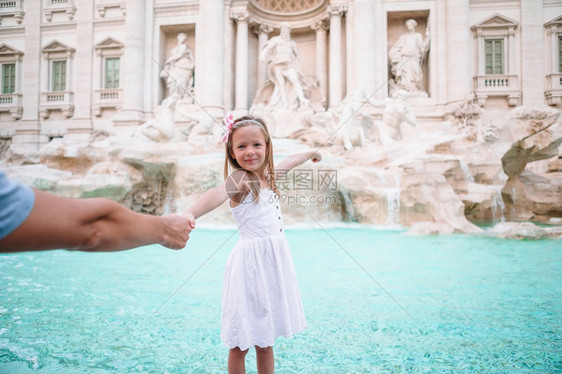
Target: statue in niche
x=178 y=69
x=406 y=58
x=288 y=99
x=280 y=55
x=286 y=87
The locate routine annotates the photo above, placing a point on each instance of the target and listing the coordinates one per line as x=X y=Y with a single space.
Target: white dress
x=261 y=298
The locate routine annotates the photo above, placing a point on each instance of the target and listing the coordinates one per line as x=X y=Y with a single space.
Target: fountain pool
x=376 y=301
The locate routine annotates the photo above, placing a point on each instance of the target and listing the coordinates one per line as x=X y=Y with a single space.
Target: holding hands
x=177 y=231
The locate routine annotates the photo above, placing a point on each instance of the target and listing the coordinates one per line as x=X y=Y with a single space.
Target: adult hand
x=176 y=231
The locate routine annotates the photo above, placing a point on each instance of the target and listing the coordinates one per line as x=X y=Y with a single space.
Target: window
x=111 y=73
x=494 y=56
x=59 y=76
x=8 y=78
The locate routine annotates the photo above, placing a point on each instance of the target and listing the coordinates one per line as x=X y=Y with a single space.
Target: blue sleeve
x=16 y=202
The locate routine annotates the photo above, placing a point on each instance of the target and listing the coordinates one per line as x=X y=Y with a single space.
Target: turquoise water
x=376 y=301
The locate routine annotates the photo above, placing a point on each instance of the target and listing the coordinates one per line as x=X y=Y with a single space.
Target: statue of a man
x=406 y=58
x=178 y=69
x=280 y=54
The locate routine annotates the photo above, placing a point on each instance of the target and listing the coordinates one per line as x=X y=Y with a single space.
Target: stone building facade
x=72 y=67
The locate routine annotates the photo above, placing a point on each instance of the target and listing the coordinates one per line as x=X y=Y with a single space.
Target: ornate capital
x=262 y=28
x=337 y=10
x=240 y=16
x=266 y=28
x=320 y=25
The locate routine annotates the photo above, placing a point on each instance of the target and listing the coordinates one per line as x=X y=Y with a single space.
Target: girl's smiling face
x=249 y=148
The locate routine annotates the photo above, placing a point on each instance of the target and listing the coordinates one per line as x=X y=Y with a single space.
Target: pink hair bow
x=228 y=122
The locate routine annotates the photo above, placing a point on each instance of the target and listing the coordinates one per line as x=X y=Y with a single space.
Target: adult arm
x=297 y=159
x=94 y=225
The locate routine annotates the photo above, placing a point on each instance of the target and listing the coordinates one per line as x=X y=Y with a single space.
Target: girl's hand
x=190 y=219
x=316 y=157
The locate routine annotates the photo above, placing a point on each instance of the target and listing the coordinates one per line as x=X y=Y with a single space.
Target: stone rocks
x=518 y=230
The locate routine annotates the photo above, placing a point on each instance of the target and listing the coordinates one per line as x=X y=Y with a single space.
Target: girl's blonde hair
x=231 y=163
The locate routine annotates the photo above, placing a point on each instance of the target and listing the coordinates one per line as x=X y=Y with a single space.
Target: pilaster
x=364 y=32
x=83 y=69
x=212 y=20
x=133 y=65
x=458 y=50
x=532 y=81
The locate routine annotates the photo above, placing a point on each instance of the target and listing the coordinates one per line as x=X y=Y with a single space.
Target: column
x=439 y=24
x=458 y=50
x=262 y=30
x=532 y=53
x=364 y=30
x=335 y=94
x=228 y=64
x=241 y=75
x=321 y=62
x=349 y=53
x=212 y=82
x=133 y=65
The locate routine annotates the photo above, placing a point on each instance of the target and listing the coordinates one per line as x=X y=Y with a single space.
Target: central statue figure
x=280 y=55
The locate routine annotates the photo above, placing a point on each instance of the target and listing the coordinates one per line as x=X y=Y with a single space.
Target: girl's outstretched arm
x=298 y=159
x=208 y=202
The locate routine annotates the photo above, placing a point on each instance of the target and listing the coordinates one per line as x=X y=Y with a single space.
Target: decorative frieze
x=287 y=6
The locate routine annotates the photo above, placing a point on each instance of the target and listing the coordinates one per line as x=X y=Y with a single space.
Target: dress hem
x=265 y=345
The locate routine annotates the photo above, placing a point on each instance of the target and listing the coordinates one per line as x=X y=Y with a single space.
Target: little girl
x=261 y=298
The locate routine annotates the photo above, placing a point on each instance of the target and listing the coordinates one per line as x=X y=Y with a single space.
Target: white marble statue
x=280 y=55
x=162 y=127
x=396 y=113
x=351 y=128
x=406 y=59
x=178 y=69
